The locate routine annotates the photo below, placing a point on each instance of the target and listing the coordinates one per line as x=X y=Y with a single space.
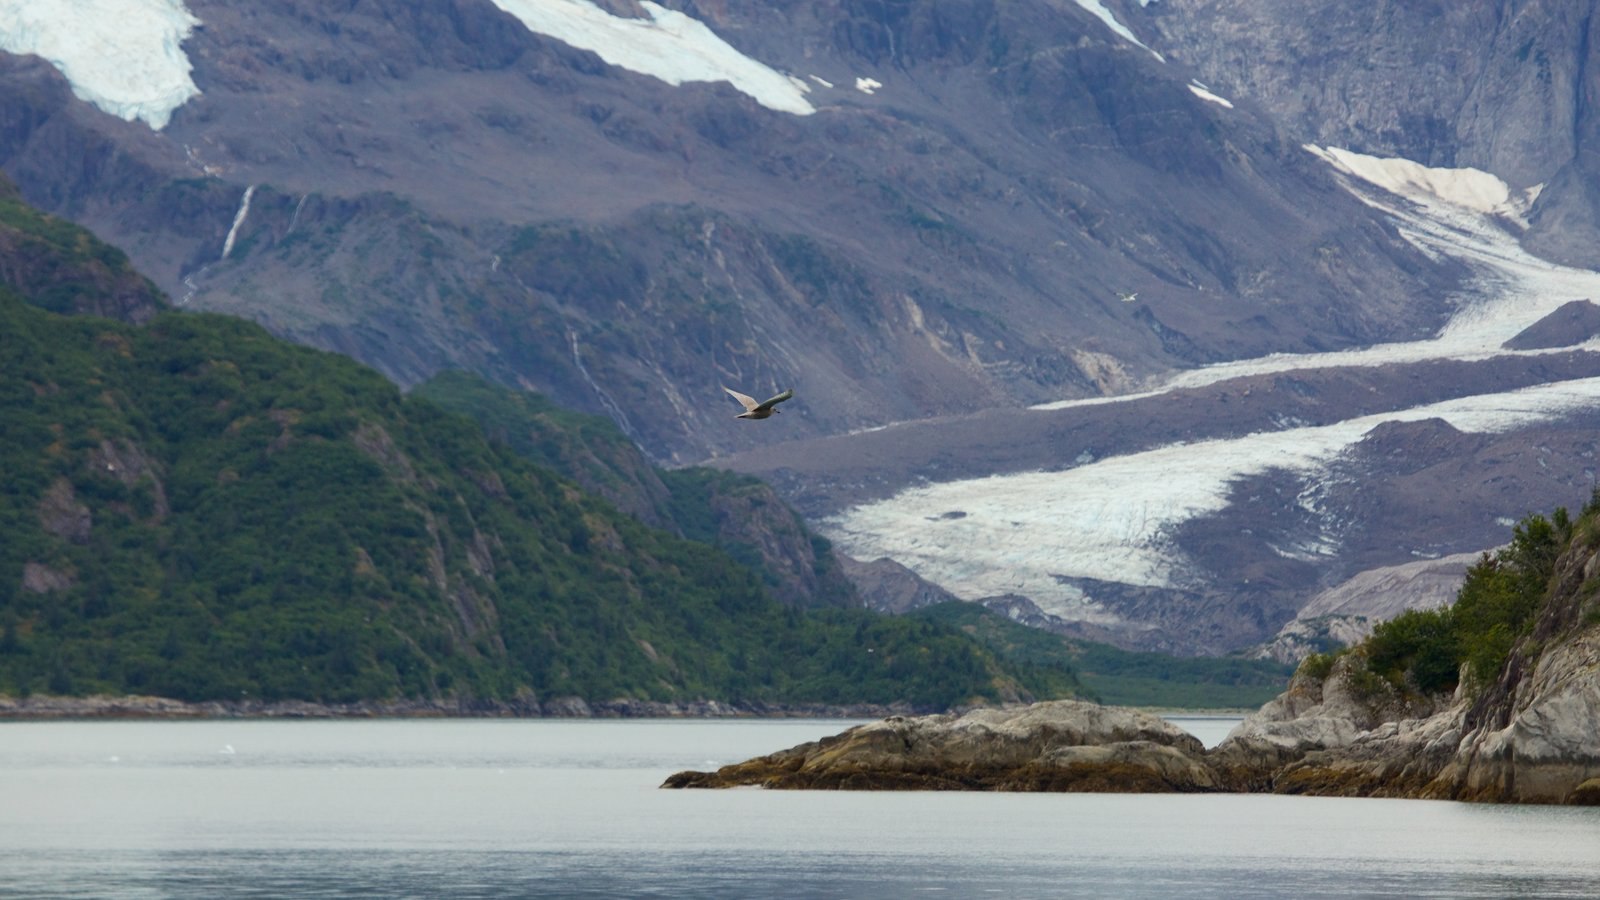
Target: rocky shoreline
x=1531 y=734
x=140 y=707
x=1311 y=741
x=1532 y=738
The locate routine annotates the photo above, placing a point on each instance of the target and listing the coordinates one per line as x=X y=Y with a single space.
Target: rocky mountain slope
x=436 y=184
x=955 y=228
x=1504 y=86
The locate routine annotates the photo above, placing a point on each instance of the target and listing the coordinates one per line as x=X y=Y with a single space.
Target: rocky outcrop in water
x=1061 y=745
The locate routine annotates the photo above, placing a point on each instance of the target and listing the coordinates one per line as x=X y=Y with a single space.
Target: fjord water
x=498 y=808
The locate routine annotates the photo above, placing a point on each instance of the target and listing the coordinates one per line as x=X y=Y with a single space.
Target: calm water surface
x=572 y=809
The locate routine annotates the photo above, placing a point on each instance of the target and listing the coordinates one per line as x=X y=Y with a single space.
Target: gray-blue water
x=572 y=809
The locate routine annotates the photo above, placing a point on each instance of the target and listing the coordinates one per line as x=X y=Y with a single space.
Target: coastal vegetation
x=1491 y=699
x=691 y=500
x=1429 y=651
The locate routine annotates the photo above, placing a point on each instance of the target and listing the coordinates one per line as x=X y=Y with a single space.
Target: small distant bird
x=754 y=410
x=1127 y=297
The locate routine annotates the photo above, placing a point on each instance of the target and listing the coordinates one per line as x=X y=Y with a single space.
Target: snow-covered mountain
x=1131 y=315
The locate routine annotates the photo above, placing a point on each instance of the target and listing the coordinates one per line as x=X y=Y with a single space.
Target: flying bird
x=754 y=410
x=1127 y=297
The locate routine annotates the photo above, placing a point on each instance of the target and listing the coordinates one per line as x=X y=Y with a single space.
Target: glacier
x=669 y=46
x=1030 y=533
x=1107 y=520
x=124 y=56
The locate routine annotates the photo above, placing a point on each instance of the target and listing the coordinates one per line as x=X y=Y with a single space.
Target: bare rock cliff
x=1530 y=736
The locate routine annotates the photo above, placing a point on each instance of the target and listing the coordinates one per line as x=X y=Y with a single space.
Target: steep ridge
x=64 y=269
x=1492 y=699
x=738 y=514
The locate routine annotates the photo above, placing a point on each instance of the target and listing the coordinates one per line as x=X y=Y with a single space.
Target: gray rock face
x=950 y=243
x=1340 y=713
x=62 y=514
x=1533 y=736
x=1345 y=614
x=1572 y=324
x=1498 y=85
x=1551 y=745
x=887 y=586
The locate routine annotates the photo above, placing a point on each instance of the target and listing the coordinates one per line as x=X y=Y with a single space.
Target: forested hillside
x=193 y=508
x=739 y=514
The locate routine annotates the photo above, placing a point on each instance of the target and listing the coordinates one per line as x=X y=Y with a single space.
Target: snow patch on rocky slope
x=1455 y=213
x=669 y=45
x=1472 y=189
x=1119 y=29
x=124 y=56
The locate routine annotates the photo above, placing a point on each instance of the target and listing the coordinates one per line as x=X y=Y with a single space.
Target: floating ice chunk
x=669 y=45
x=124 y=56
x=1121 y=30
x=1204 y=93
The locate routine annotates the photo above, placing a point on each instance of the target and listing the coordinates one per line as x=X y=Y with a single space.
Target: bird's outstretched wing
x=747 y=401
x=768 y=404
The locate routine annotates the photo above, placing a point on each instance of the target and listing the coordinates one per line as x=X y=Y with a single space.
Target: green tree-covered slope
x=192 y=508
x=1501 y=601
x=739 y=514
